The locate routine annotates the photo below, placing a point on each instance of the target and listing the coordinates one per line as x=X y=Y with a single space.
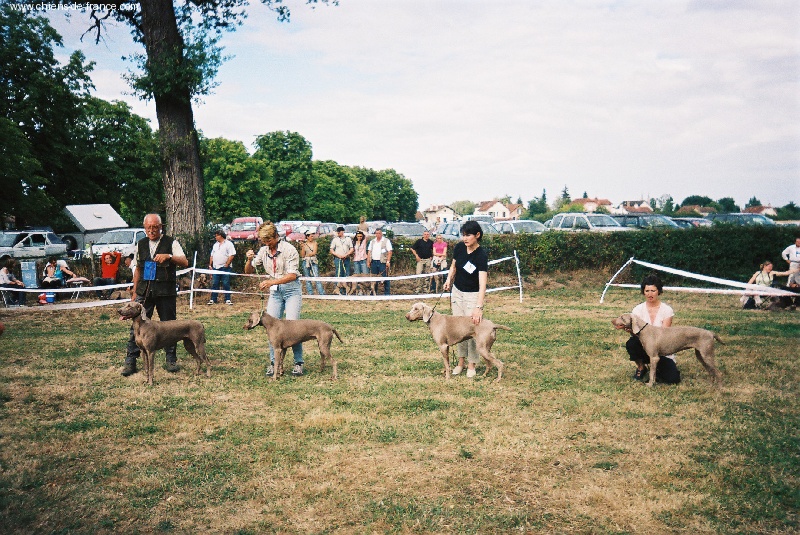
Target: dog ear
x=637 y=324
x=427 y=313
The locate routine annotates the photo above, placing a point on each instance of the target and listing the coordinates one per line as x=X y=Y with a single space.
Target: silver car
x=30 y=244
x=586 y=222
x=520 y=226
x=123 y=240
x=452 y=231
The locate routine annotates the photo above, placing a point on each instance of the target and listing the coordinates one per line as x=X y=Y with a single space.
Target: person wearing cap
x=308 y=252
x=341 y=249
x=281 y=263
x=380 y=257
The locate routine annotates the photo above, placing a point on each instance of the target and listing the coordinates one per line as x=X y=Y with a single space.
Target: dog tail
x=503 y=327
x=718 y=339
x=337 y=335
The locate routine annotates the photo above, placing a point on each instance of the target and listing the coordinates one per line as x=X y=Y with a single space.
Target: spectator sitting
x=109 y=268
x=763 y=277
x=54 y=273
x=8 y=280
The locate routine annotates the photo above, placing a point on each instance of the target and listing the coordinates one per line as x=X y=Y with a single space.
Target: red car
x=245 y=229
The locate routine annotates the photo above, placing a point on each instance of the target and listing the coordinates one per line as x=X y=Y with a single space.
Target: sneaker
x=640 y=375
x=270 y=371
x=457 y=370
x=471 y=373
x=211 y=303
x=228 y=302
x=297 y=371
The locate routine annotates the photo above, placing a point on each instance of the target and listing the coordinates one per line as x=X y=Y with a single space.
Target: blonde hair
x=267 y=231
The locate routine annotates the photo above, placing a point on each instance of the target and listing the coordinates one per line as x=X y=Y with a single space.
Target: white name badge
x=469 y=267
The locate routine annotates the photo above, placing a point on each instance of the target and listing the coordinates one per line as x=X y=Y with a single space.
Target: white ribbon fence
x=77 y=286
x=744 y=288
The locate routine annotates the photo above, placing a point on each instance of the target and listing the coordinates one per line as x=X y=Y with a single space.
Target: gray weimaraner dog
x=283 y=334
x=661 y=341
x=450 y=330
x=151 y=336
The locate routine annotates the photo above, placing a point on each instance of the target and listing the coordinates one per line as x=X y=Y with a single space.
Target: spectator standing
x=8 y=280
x=222 y=255
x=363 y=226
x=380 y=255
x=341 y=249
x=439 y=262
x=423 y=252
x=109 y=267
x=308 y=252
x=360 y=253
x=281 y=263
x=469 y=273
x=154 y=269
x=792 y=255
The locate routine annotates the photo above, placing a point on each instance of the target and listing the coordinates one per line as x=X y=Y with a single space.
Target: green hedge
x=724 y=251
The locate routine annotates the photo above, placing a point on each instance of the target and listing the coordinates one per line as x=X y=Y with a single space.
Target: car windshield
x=488 y=228
x=244 y=225
x=408 y=229
x=7 y=240
x=660 y=221
x=528 y=226
x=602 y=220
x=761 y=220
x=116 y=236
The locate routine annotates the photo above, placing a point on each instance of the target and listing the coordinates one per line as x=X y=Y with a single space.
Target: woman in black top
x=468 y=274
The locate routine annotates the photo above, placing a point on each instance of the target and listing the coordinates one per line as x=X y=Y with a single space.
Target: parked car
x=583 y=221
x=691 y=222
x=452 y=231
x=645 y=221
x=30 y=244
x=740 y=219
x=405 y=230
x=484 y=218
x=122 y=239
x=245 y=229
x=519 y=226
x=350 y=230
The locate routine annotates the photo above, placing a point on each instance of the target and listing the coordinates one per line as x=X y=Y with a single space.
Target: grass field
x=566 y=443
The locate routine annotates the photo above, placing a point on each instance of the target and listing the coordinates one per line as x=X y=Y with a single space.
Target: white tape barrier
x=746 y=289
x=191 y=292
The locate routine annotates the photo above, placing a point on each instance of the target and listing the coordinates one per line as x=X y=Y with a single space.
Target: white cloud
x=476 y=100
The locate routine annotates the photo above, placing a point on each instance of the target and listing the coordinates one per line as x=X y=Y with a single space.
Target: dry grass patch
x=567 y=442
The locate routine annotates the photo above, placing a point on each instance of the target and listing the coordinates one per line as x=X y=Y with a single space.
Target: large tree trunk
x=180 y=151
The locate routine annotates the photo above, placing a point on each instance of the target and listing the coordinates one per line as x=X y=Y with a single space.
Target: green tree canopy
x=698 y=200
x=285 y=160
x=753 y=202
x=233 y=184
x=463 y=207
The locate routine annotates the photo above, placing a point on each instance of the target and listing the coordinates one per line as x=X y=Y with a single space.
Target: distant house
x=591 y=205
x=496 y=209
x=763 y=210
x=515 y=211
x=438 y=213
x=695 y=210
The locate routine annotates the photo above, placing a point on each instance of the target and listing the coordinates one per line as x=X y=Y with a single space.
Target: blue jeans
x=342 y=267
x=286 y=298
x=379 y=268
x=360 y=267
x=216 y=278
x=312 y=272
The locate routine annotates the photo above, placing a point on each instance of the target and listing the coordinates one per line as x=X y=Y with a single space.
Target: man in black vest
x=154 y=283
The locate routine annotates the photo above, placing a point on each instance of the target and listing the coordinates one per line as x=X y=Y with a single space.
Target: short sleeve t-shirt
x=468 y=265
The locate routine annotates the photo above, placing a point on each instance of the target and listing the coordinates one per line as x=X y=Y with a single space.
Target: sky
x=476 y=100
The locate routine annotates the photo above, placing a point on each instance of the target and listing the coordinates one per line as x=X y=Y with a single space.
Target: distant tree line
x=60 y=145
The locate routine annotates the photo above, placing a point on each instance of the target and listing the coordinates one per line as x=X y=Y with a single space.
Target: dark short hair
x=653 y=280
x=220 y=232
x=472 y=227
x=340 y=229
